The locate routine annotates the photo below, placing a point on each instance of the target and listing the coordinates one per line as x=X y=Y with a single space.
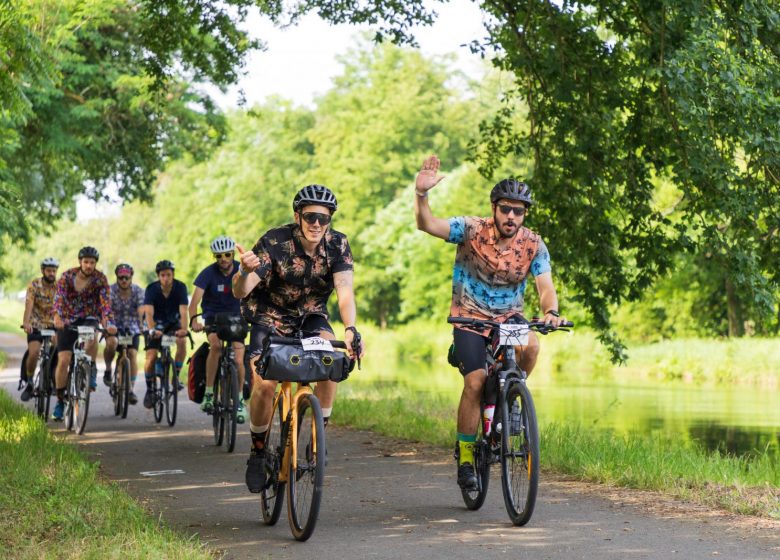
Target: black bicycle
x=43 y=379
x=229 y=328
x=512 y=437
x=120 y=381
x=165 y=387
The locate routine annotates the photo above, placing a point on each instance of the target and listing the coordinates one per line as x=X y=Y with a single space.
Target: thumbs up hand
x=248 y=259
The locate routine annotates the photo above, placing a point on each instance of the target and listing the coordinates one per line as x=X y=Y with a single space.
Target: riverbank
x=54 y=505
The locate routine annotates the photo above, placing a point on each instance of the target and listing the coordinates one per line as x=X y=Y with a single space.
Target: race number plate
x=514 y=335
x=316 y=343
x=125 y=340
x=168 y=341
x=87 y=333
x=47 y=332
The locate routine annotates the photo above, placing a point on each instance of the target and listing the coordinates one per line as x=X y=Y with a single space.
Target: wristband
x=353 y=329
x=421 y=195
x=553 y=312
x=242 y=272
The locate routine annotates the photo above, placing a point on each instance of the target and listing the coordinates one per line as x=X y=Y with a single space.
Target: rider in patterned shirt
x=494 y=258
x=127 y=300
x=37 y=316
x=82 y=293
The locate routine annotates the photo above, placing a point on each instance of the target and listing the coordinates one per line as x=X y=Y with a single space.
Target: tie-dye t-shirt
x=488 y=283
x=126 y=310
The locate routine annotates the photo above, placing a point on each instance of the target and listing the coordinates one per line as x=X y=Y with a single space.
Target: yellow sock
x=466 y=452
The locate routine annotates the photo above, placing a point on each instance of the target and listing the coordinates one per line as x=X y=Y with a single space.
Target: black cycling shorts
x=258 y=334
x=34 y=336
x=470 y=350
x=66 y=338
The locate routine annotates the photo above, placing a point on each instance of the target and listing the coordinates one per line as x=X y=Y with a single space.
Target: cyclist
x=81 y=292
x=165 y=305
x=38 y=315
x=214 y=287
x=127 y=300
x=492 y=263
x=284 y=283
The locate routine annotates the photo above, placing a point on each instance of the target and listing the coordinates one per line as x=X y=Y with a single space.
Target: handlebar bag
x=230 y=327
x=290 y=362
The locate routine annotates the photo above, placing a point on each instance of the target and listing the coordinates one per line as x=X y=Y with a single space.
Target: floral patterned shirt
x=41 y=293
x=126 y=310
x=489 y=283
x=293 y=284
x=92 y=301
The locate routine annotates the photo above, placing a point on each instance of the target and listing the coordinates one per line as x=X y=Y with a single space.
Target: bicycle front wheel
x=230 y=406
x=519 y=452
x=304 y=488
x=217 y=420
x=41 y=390
x=81 y=396
x=158 y=392
x=170 y=393
x=271 y=496
x=124 y=386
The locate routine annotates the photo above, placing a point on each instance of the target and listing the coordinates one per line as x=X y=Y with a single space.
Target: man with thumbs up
x=284 y=284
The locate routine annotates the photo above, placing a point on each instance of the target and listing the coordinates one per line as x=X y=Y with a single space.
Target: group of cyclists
x=282 y=286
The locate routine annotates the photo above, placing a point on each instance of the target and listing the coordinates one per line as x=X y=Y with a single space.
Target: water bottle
x=487 y=418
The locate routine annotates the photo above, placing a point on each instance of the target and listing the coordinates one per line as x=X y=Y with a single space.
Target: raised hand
x=428 y=176
x=249 y=261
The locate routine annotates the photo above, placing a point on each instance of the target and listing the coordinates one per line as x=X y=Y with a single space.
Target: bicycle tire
x=81 y=404
x=115 y=388
x=230 y=406
x=519 y=452
x=474 y=499
x=217 y=420
x=304 y=487
x=39 y=382
x=124 y=390
x=157 y=388
x=170 y=393
x=272 y=497
x=69 y=398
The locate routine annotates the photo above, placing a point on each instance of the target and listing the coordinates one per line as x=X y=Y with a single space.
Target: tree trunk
x=736 y=320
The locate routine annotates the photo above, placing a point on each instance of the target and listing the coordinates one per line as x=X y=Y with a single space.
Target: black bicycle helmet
x=89 y=253
x=315 y=194
x=164 y=265
x=123 y=267
x=511 y=189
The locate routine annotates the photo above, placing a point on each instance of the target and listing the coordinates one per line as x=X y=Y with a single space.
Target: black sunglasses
x=226 y=255
x=123 y=278
x=507 y=209
x=311 y=217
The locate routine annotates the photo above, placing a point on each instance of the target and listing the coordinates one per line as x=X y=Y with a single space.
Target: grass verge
x=54 y=505
x=746 y=485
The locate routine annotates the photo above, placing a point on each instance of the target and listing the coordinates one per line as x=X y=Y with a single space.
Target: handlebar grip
x=567 y=324
x=459 y=320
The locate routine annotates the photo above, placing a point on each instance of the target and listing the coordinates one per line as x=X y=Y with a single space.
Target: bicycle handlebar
x=540 y=326
x=290 y=340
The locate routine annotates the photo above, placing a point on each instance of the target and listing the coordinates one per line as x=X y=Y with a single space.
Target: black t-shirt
x=166 y=309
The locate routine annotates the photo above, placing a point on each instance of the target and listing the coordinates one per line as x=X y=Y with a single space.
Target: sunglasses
x=123 y=278
x=507 y=209
x=311 y=217
x=226 y=255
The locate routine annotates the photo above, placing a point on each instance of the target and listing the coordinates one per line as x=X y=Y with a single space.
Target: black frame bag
x=230 y=327
x=285 y=360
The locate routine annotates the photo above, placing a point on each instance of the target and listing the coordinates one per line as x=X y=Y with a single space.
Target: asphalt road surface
x=385 y=499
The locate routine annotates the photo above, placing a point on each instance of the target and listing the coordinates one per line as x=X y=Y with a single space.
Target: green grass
x=53 y=504
x=11 y=313
x=747 y=485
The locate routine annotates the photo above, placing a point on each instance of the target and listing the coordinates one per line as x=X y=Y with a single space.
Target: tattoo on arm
x=343 y=281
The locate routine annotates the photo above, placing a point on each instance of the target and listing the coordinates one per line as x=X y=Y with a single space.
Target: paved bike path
x=388 y=500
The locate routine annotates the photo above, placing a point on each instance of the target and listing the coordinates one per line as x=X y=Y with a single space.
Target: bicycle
x=229 y=328
x=165 y=392
x=512 y=437
x=43 y=379
x=288 y=462
x=120 y=381
x=81 y=367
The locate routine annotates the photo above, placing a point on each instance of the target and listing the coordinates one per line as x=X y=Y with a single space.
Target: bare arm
x=244 y=281
x=183 y=325
x=28 y=306
x=427 y=178
x=548 y=298
x=149 y=312
x=347 y=307
x=197 y=295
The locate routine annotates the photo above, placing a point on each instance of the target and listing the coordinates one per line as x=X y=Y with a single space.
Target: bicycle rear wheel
x=271 y=497
x=519 y=452
x=81 y=396
x=124 y=386
x=170 y=393
x=482 y=456
x=304 y=489
x=42 y=394
x=230 y=406
x=217 y=420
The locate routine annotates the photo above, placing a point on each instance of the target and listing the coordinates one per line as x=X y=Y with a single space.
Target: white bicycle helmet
x=223 y=244
x=50 y=261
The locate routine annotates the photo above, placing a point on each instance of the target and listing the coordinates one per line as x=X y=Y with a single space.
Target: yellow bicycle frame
x=290 y=402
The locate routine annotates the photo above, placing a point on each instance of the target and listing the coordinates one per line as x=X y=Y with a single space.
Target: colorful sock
x=209 y=391
x=466 y=448
x=258 y=440
x=177 y=366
